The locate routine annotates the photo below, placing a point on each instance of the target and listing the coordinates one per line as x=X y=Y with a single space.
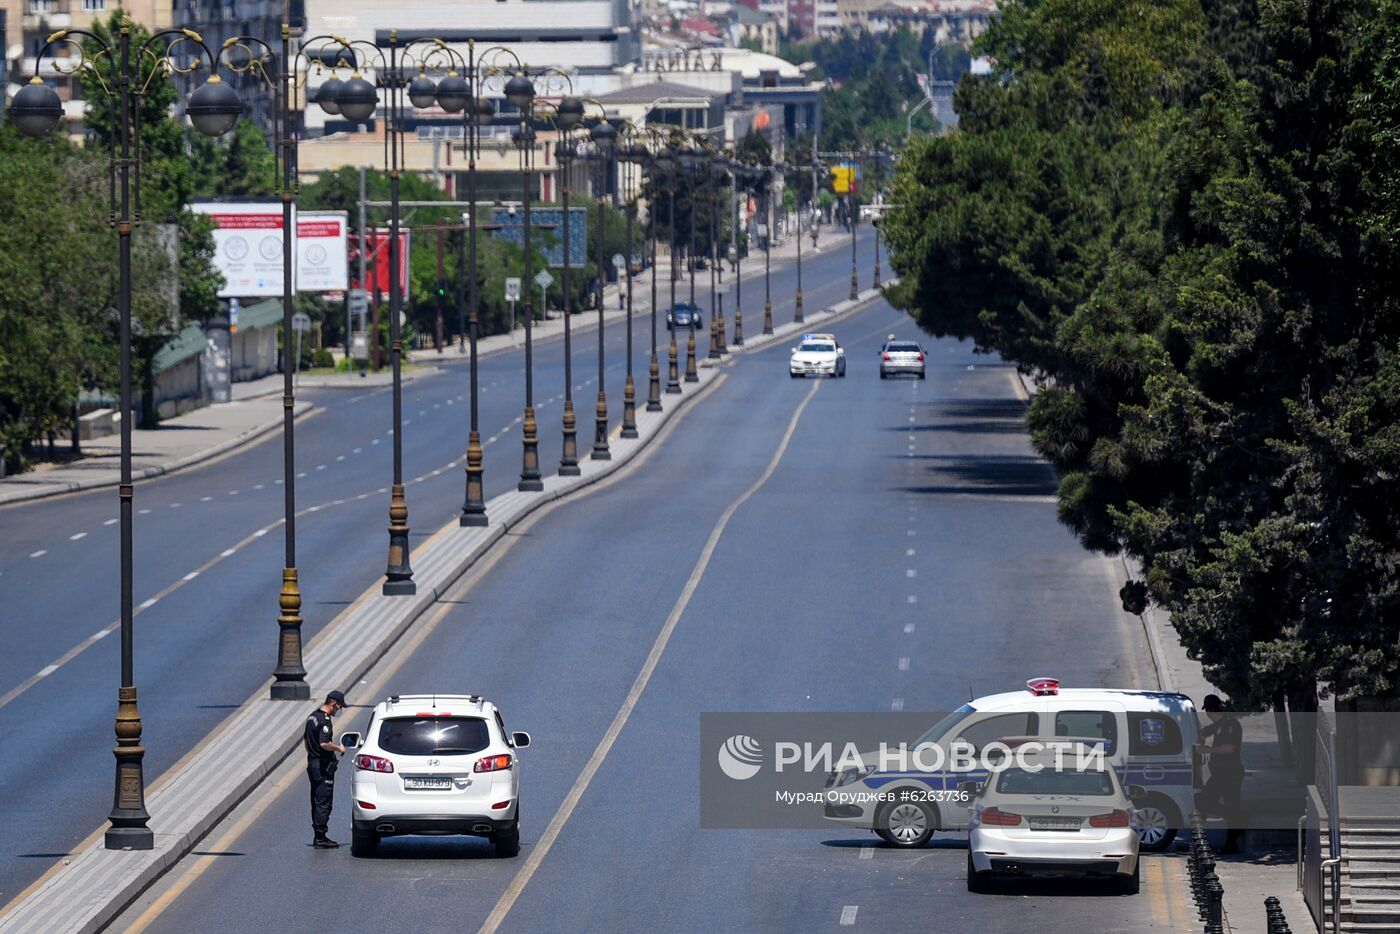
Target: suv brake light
x=887 y=356
x=373 y=764
x=1117 y=818
x=921 y=356
x=492 y=763
x=996 y=817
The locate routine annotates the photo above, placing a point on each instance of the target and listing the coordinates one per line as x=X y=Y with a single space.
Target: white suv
x=435 y=764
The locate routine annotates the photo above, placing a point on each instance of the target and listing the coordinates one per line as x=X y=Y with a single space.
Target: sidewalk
x=87 y=889
x=179 y=442
x=1268 y=865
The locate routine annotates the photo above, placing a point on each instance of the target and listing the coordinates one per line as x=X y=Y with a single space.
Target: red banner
x=377 y=261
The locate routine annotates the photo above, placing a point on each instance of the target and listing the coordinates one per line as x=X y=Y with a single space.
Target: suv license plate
x=427 y=784
x=1054 y=823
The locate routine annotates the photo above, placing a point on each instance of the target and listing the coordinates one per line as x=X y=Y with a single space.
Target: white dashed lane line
x=848 y=915
x=867 y=852
x=39 y=554
x=147 y=604
x=904 y=663
x=110 y=522
x=910 y=572
x=77 y=537
x=908 y=629
x=897 y=704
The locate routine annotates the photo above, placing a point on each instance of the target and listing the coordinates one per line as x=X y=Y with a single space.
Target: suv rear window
x=426 y=736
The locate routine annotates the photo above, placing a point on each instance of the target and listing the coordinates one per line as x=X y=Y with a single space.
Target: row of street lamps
x=663 y=158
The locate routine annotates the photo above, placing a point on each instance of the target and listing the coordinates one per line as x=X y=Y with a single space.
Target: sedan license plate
x=1054 y=823
x=427 y=784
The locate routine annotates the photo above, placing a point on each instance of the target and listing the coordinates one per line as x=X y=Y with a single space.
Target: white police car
x=436 y=764
x=1148 y=737
x=819 y=354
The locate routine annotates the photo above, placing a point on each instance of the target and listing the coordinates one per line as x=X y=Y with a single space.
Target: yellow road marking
x=585 y=778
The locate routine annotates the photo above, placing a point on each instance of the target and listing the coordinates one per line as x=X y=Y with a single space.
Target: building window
x=41 y=6
x=94 y=6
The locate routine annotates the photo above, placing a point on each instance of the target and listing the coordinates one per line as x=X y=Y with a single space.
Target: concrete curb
x=91 y=888
x=145 y=473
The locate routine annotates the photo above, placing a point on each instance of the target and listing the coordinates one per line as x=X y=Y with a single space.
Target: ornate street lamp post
x=357 y=100
x=694 y=159
x=767 y=245
x=568 y=115
x=213 y=108
x=797 y=313
x=520 y=92
x=633 y=155
x=476 y=113
x=604 y=138
x=666 y=164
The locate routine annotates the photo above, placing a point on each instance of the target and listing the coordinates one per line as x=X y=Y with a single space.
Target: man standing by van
x=1221 y=794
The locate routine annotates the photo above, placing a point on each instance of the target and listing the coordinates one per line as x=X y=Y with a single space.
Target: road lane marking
x=908 y=628
x=904 y=663
x=867 y=852
x=148 y=603
x=47 y=670
x=190 y=576
x=897 y=704
x=110 y=522
x=848 y=915
x=908 y=552
x=913 y=598
x=39 y=554
x=910 y=572
x=585 y=778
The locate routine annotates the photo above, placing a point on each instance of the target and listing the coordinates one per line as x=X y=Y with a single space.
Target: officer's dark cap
x=339 y=698
x=1213 y=704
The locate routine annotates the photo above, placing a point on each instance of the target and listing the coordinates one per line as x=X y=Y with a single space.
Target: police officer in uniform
x=1221 y=794
x=321 y=762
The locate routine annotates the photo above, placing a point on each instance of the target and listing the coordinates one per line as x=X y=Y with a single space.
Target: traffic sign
x=619 y=261
x=544 y=280
x=359 y=302
x=512 y=288
x=301 y=323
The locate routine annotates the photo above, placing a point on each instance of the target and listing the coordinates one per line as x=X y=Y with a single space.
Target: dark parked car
x=684 y=315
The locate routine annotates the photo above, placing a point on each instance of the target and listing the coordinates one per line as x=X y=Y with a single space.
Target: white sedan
x=1047 y=816
x=817 y=354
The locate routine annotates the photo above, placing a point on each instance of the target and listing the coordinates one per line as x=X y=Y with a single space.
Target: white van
x=1148 y=735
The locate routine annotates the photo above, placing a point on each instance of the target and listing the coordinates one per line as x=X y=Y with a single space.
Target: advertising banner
x=247 y=246
x=322 y=261
x=377 y=263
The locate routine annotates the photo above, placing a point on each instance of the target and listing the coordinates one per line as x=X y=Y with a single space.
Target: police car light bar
x=1044 y=687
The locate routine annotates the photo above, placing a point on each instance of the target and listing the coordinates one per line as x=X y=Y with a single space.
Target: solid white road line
x=585 y=778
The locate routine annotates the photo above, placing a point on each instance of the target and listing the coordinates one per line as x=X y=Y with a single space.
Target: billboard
x=322 y=262
x=547 y=232
x=377 y=262
x=247 y=246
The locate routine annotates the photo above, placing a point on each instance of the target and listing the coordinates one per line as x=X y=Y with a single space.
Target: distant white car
x=1053 y=813
x=435 y=764
x=818 y=354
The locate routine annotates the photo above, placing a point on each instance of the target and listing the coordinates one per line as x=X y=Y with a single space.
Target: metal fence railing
x=1320 y=833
